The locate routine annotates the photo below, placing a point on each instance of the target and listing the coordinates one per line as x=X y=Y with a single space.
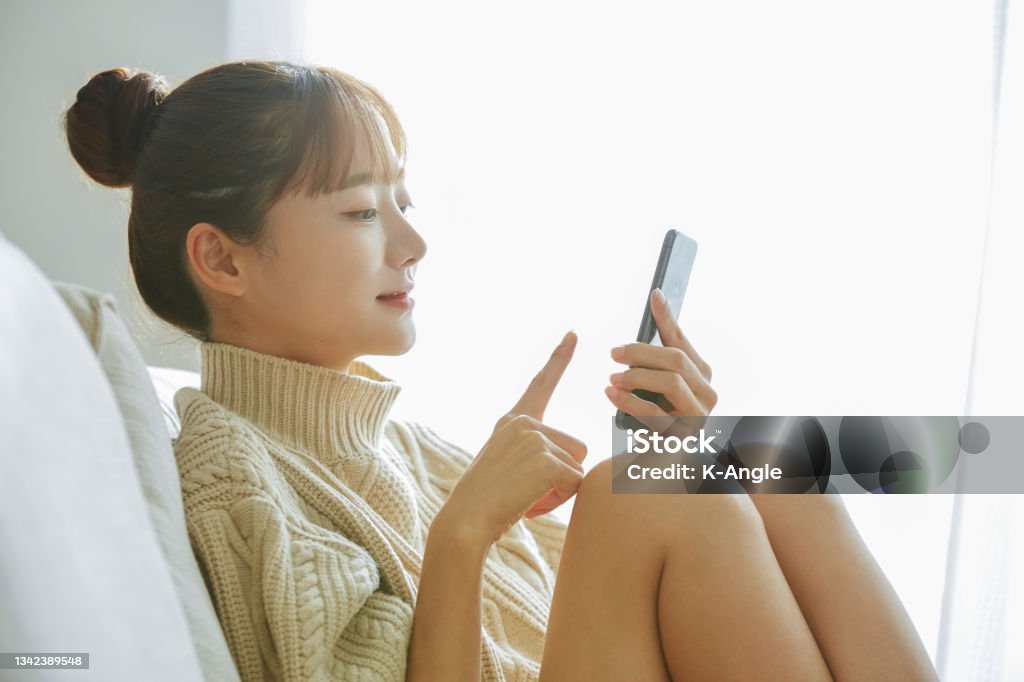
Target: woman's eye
x=367 y=216
x=370 y=214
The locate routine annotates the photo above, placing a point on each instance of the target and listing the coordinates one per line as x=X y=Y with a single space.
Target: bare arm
x=525 y=468
x=445 y=643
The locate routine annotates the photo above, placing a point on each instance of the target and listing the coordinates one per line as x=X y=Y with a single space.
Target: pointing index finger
x=537 y=395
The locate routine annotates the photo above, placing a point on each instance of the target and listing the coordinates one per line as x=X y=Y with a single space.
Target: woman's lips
x=402 y=300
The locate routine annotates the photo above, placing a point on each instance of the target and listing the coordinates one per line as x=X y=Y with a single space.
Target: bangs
x=335 y=111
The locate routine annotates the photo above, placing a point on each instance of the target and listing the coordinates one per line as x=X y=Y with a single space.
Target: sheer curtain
x=831 y=159
x=983 y=607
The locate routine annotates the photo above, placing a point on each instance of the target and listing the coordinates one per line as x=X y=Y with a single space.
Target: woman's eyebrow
x=363 y=178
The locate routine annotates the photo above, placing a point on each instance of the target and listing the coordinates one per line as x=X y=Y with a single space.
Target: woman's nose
x=408 y=243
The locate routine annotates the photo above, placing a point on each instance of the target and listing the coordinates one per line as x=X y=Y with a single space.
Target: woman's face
x=313 y=293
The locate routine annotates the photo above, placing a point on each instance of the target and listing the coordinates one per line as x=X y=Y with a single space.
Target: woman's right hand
x=525 y=468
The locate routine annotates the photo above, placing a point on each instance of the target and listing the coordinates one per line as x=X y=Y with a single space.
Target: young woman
x=268 y=220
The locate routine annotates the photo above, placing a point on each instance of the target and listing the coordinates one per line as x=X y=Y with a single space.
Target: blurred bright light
x=831 y=159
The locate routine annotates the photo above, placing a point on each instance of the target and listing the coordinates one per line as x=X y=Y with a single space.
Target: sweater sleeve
x=549 y=532
x=296 y=601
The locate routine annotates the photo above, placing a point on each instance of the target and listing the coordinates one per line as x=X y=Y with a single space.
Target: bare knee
x=665 y=516
x=598 y=478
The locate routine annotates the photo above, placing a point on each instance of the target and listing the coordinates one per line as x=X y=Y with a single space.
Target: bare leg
x=603 y=624
x=672 y=587
x=856 y=616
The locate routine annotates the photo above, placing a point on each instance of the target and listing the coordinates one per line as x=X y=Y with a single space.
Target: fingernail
x=618 y=352
x=660 y=296
x=616 y=377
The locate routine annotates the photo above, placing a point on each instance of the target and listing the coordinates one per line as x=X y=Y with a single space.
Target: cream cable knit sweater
x=308 y=510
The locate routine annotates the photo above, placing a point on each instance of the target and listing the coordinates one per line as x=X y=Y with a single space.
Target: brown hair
x=222 y=148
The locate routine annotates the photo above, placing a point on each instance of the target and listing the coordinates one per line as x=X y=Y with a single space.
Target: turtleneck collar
x=306 y=406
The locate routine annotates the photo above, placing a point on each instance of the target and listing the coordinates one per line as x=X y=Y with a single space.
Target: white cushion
x=154 y=461
x=81 y=569
x=167 y=381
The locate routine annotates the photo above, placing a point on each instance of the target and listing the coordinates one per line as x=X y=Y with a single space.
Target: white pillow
x=154 y=460
x=82 y=570
x=167 y=381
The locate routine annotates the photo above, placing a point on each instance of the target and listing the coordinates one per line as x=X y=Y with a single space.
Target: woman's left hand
x=674 y=370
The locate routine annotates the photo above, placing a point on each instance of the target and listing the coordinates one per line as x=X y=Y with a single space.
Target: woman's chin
x=399 y=343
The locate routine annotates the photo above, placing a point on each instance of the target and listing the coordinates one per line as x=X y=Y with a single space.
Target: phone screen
x=671 y=275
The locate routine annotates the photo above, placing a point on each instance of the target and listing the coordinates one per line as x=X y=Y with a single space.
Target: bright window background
x=831 y=159
x=984 y=624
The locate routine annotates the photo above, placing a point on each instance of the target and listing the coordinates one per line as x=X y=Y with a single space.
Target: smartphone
x=671 y=276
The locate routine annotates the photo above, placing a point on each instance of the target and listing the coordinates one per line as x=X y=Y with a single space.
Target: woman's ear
x=216 y=259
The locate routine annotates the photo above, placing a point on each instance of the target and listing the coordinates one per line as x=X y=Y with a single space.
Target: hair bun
x=106 y=124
